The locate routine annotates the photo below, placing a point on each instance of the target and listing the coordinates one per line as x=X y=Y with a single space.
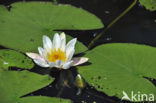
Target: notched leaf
x=43 y=19
x=121 y=67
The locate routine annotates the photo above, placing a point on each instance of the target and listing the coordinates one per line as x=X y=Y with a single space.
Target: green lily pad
x=149 y=4
x=121 y=67
x=14 y=84
x=23 y=26
x=43 y=99
x=10 y=58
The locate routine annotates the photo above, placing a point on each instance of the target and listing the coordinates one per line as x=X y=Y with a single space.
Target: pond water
x=137 y=26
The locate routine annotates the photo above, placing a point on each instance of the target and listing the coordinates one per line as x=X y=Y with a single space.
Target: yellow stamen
x=56 y=55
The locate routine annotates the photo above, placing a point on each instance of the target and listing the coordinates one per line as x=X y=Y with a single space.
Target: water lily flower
x=57 y=53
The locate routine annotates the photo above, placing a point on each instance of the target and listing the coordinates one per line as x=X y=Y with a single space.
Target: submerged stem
x=113 y=22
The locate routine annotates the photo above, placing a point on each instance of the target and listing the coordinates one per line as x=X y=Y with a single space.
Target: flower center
x=56 y=55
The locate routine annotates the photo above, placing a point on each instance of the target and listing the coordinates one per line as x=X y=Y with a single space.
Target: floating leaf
x=121 y=67
x=14 y=84
x=23 y=26
x=10 y=58
x=149 y=4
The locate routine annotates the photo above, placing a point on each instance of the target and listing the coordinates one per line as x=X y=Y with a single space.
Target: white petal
x=47 y=44
x=51 y=64
x=71 y=43
x=79 y=60
x=63 y=44
x=70 y=53
x=33 y=55
x=67 y=65
x=59 y=63
x=56 y=41
x=41 y=63
x=38 y=59
x=70 y=46
x=62 y=36
x=63 y=41
x=42 y=52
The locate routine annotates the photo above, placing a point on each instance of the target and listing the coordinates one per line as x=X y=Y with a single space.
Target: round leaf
x=23 y=26
x=121 y=67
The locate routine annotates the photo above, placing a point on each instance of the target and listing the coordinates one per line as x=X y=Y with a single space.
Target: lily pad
x=149 y=4
x=121 y=67
x=10 y=58
x=23 y=26
x=14 y=84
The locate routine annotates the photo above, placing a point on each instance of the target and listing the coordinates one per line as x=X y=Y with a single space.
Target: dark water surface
x=137 y=26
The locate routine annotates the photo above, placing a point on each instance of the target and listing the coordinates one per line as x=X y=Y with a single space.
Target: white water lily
x=57 y=53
